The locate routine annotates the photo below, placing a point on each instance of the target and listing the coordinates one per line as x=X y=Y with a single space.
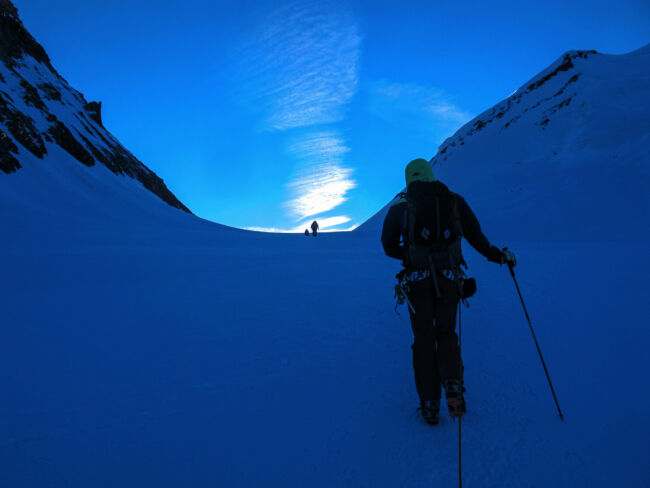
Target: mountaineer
x=423 y=229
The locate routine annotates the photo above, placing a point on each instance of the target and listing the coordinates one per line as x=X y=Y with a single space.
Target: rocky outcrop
x=21 y=127
x=31 y=96
x=8 y=162
x=50 y=92
x=94 y=111
x=64 y=138
x=16 y=41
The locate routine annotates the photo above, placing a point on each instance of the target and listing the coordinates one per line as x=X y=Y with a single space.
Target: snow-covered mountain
x=575 y=137
x=54 y=149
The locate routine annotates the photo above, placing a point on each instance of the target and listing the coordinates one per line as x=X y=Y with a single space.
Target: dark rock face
x=50 y=92
x=94 y=110
x=566 y=65
x=31 y=96
x=15 y=40
x=15 y=45
x=8 y=163
x=22 y=128
x=64 y=138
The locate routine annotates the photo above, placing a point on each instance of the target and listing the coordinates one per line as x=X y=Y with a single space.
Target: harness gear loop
x=402 y=289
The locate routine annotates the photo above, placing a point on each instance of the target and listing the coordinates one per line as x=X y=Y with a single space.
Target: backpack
x=431 y=228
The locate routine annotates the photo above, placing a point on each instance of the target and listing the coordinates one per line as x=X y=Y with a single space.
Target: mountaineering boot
x=430 y=411
x=455 y=400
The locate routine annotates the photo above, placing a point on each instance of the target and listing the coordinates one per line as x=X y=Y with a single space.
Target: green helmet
x=418 y=170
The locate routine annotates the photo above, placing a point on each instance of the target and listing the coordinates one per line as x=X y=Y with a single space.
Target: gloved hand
x=508 y=257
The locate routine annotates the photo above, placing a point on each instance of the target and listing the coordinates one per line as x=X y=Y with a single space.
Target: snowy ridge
x=575 y=135
x=40 y=115
x=544 y=101
x=543 y=96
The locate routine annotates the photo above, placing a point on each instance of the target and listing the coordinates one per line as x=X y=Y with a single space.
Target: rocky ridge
x=38 y=109
x=562 y=75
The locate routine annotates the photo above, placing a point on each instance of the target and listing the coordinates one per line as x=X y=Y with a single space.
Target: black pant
x=435 y=344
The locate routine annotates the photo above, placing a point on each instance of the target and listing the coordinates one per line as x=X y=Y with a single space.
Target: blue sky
x=268 y=115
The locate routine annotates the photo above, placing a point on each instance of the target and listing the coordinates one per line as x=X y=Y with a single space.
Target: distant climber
x=430 y=222
x=314 y=228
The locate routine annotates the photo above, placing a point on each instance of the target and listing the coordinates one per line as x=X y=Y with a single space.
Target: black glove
x=495 y=255
x=508 y=257
x=502 y=257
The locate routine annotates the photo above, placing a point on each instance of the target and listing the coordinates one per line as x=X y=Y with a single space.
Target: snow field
x=229 y=358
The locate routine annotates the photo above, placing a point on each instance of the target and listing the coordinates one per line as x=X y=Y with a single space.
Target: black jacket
x=391 y=235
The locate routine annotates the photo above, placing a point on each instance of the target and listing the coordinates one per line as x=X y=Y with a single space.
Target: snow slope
x=196 y=355
x=142 y=346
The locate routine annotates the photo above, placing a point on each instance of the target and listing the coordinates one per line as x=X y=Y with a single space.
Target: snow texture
x=143 y=346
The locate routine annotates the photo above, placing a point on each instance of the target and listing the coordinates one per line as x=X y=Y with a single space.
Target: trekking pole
x=460 y=419
x=548 y=377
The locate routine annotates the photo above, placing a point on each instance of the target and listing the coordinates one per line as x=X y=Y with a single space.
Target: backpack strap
x=437 y=219
x=408 y=225
x=405 y=223
x=399 y=198
x=456 y=217
x=410 y=209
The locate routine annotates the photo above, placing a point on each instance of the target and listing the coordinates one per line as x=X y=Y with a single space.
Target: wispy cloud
x=322 y=181
x=425 y=109
x=302 y=69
